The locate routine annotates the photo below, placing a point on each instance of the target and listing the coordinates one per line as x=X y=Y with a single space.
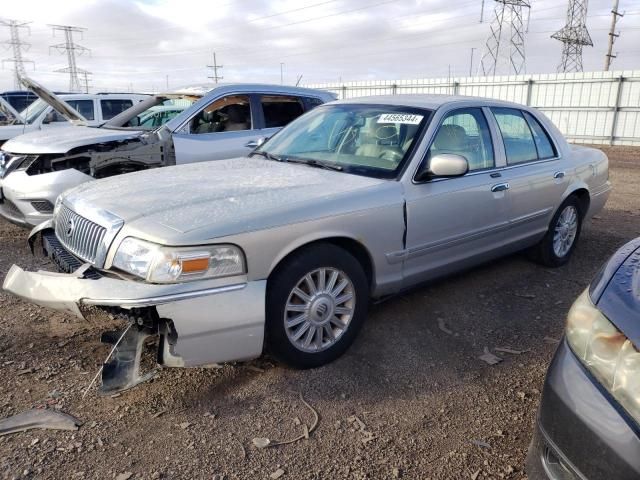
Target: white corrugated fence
x=589 y=107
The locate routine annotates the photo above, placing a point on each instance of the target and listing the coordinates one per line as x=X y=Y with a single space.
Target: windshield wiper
x=267 y=155
x=315 y=163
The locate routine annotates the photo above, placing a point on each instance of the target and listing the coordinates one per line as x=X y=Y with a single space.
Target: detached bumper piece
x=122 y=371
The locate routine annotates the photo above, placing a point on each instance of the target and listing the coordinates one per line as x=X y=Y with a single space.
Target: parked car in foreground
x=588 y=425
x=80 y=108
x=355 y=200
x=193 y=124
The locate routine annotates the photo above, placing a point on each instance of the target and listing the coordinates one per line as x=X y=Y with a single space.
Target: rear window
x=541 y=137
x=280 y=109
x=112 y=107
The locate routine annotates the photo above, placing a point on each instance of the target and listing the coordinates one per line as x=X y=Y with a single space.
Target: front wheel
x=556 y=247
x=316 y=303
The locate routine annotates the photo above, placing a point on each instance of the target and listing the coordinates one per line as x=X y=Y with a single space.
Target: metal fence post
x=456 y=88
x=344 y=92
x=529 y=88
x=394 y=89
x=616 y=110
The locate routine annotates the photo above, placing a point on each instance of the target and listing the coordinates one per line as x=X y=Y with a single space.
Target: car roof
x=428 y=101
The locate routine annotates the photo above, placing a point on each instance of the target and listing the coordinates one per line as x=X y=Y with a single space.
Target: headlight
x=159 y=264
x=606 y=352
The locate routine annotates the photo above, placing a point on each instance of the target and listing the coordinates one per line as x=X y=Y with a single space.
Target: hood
x=59 y=105
x=221 y=197
x=616 y=290
x=11 y=131
x=64 y=138
x=9 y=111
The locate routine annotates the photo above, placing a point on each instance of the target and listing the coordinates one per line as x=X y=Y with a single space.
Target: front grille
x=80 y=236
x=65 y=262
x=11 y=210
x=42 y=206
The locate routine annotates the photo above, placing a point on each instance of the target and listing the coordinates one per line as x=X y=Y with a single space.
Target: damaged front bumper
x=198 y=324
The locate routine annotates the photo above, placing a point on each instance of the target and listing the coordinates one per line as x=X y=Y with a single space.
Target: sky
x=148 y=45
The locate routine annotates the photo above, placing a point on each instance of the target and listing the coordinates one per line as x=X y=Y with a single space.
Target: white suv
x=47 y=112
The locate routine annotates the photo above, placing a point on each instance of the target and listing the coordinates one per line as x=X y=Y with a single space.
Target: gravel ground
x=410 y=399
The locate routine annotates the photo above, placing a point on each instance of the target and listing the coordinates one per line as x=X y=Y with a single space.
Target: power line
x=574 y=35
x=215 y=67
x=17 y=46
x=612 y=35
x=71 y=48
x=507 y=25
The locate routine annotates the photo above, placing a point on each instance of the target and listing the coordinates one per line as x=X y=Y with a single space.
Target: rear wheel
x=316 y=303
x=556 y=247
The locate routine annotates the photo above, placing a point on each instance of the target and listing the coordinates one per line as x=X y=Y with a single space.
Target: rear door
x=534 y=172
x=223 y=129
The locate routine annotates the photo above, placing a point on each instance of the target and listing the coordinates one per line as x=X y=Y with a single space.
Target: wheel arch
x=350 y=244
x=581 y=191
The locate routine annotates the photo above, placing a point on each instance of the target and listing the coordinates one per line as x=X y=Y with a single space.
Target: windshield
x=33 y=111
x=151 y=114
x=371 y=140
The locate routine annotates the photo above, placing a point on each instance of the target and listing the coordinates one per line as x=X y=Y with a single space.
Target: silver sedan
x=357 y=199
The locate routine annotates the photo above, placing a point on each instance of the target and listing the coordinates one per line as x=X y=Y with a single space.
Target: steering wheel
x=391 y=155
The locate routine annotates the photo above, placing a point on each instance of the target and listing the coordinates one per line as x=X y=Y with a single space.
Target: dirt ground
x=409 y=399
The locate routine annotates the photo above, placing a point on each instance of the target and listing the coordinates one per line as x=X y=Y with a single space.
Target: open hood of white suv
x=59 y=105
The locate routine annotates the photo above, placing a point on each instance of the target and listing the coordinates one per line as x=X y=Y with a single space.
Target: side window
x=312 y=103
x=112 y=107
x=83 y=107
x=541 y=137
x=227 y=114
x=516 y=135
x=465 y=132
x=280 y=109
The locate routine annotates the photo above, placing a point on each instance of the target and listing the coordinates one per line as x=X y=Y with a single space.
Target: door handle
x=500 y=187
x=251 y=144
x=558 y=175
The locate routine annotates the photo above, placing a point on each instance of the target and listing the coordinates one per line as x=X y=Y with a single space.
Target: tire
x=301 y=348
x=547 y=251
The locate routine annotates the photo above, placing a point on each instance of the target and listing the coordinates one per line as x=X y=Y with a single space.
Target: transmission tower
x=504 y=49
x=574 y=36
x=215 y=67
x=71 y=49
x=17 y=46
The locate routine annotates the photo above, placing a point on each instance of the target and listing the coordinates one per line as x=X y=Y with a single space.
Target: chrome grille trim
x=79 y=241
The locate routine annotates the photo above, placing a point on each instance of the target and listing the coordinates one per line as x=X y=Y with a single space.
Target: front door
x=222 y=129
x=454 y=221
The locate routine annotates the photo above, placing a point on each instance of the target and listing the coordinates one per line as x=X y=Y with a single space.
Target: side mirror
x=444 y=165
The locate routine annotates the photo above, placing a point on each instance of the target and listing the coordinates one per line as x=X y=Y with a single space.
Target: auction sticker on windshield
x=404 y=118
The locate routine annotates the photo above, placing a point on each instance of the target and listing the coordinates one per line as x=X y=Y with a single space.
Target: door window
x=541 y=137
x=227 y=114
x=280 y=109
x=516 y=135
x=313 y=102
x=465 y=132
x=83 y=107
x=112 y=107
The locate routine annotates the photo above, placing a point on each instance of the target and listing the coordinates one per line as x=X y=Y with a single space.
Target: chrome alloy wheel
x=319 y=309
x=565 y=231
